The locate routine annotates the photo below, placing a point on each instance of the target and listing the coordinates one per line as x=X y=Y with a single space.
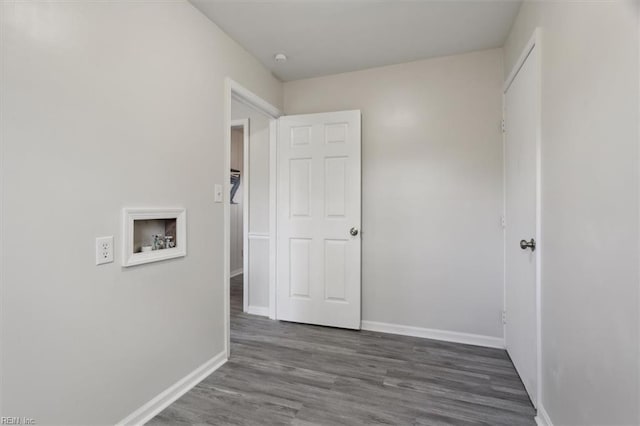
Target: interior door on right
x=521 y=127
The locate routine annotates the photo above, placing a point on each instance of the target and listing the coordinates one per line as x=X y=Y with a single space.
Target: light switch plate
x=104 y=250
x=217 y=196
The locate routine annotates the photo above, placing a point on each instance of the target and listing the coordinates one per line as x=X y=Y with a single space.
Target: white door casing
x=521 y=109
x=318 y=203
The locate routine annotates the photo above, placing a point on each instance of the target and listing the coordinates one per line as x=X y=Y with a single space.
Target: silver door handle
x=524 y=244
x=353 y=231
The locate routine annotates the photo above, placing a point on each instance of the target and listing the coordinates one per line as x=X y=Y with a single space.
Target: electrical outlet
x=104 y=250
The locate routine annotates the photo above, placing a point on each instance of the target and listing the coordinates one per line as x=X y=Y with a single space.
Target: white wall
x=106 y=105
x=590 y=323
x=432 y=187
x=235 y=210
x=258 y=250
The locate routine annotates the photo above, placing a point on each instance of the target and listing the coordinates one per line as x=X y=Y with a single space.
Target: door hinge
x=503 y=126
x=503 y=222
x=504 y=317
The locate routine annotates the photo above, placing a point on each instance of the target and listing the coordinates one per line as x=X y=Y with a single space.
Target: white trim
x=236 y=273
x=234 y=90
x=247 y=97
x=241 y=122
x=521 y=59
x=273 y=168
x=263 y=311
x=244 y=123
x=534 y=42
x=258 y=236
x=130 y=215
x=504 y=226
x=429 y=333
x=638 y=94
x=543 y=419
x=173 y=392
x=226 y=176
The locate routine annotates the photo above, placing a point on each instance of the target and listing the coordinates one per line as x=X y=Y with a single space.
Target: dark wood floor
x=285 y=373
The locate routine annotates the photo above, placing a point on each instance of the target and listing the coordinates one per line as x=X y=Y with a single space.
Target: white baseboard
x=173 y=392
x=542 y=419
x=429 y=333
x=263 y=311
x=235 y=273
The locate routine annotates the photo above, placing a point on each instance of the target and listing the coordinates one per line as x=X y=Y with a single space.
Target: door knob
x=524 y=244
x=353 y=231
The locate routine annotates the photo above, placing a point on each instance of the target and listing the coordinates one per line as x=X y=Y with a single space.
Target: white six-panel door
x=318 y=219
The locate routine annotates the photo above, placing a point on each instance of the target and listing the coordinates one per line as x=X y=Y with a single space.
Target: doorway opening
x=238 y=203
x=249 y=205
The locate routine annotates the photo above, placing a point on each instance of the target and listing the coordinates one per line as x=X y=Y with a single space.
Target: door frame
x=234 y=90
x=244 y=123
x=535 y=42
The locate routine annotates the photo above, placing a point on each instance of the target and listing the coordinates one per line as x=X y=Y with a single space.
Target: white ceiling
x=323 y=37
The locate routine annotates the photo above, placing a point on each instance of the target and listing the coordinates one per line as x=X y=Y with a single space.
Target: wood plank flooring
x=284 y=373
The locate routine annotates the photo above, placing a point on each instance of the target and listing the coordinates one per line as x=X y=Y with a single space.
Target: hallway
x=285 y=373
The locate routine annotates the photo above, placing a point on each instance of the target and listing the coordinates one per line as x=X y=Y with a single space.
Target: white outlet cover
x=104 y=250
